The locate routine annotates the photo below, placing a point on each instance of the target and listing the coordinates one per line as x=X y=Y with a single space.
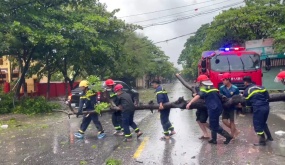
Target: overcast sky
x=163 y=32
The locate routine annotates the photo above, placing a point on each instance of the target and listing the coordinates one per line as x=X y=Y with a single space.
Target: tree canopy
x=74 y=38
x=257 y=20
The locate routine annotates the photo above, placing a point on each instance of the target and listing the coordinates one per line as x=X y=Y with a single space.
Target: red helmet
x=109 y=82
x=202 y=78
x=226 y=76
x=280 y=76
x=118 y=87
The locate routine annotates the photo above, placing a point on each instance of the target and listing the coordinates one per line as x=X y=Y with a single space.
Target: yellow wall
x=30 y=81
x=6 y=66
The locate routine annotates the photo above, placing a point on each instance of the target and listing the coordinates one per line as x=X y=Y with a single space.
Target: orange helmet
x=109 y=82
x=202 y=78
x=226 y=76
x=118 y=87
x=280 y=76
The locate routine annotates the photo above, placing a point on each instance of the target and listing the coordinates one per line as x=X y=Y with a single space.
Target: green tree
x=192 y=51
x=25 y=26
x=262 y=2
x=233 y=27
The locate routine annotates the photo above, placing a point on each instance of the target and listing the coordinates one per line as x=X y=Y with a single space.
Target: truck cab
x=236 y=61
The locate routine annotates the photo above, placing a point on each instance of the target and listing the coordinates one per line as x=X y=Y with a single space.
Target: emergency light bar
x=232 y=49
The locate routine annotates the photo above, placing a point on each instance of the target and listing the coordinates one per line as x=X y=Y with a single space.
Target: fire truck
x=236 y=61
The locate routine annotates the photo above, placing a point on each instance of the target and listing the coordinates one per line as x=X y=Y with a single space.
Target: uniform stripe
x=128 y=135
x=209 y=91
x=255 y=92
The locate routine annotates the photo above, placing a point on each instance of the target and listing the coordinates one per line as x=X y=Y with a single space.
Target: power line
x=177 y=13
x=170 y=39
x=165 y=9
x=174 y=38
x=188 y=17
x=191 y=16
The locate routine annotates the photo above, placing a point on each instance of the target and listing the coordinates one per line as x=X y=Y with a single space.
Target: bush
x=6 y=102
x=26 y=105
x=111 y=161
x=34 y=105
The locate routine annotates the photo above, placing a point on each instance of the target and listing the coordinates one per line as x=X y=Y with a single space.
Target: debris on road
x=139 y=161
x=280 y=133
x=4 y=126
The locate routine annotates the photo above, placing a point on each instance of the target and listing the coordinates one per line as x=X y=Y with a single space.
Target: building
x=265 y=47
x=7 y=74
x=142 y=82
x=11 y=73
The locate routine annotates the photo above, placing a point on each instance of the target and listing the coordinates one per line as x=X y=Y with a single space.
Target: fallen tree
x=228 y=102
x=180 y=103
x=188 y=86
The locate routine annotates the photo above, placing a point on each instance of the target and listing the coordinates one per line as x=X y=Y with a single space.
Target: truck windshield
x=225 y=63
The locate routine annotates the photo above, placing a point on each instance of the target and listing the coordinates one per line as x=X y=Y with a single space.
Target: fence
x=56 y=89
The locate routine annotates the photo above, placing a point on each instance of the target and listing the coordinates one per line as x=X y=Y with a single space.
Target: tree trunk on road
x=188 y=86
x=181 y=103
x=235 y=100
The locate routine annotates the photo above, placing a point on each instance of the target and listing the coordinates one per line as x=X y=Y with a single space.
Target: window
x=1 y=61
x=15 y=75
x=3 y=76
x=246 y=62
x=126 y=87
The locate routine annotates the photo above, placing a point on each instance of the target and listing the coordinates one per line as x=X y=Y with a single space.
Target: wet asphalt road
x=54 y=143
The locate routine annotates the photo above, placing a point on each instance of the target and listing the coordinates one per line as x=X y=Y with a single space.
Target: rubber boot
x=268 y=134
x=227 y=136
x=261 y=141
x=214 y=138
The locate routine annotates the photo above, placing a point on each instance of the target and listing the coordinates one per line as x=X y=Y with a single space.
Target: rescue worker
x=257 y=97
x=229 y=90
x=88 y=98
x=201 y=118
x=162 y=98
x=126 y=105
x=116 y=115
x=214 y=107
x=280 y=77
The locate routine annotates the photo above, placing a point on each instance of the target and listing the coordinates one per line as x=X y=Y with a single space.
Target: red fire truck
x=236 y=61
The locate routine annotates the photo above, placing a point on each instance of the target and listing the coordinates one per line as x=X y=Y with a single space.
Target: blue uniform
x=201 y=114
x=162 y=97
x=214 y=106
x=257 y=97
x=89 y=99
